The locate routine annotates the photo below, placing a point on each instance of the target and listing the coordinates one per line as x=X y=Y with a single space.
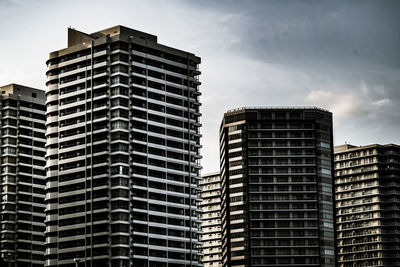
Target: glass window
x=120 y=125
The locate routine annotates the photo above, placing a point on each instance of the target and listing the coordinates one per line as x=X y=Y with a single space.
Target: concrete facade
x=367 y=204
x=122 y=152
x=210 y=206
x=22 y=140
x=277 y=187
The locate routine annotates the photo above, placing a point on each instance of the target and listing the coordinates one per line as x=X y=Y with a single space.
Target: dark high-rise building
x=22 y=140
x=210 y=206
x=276 y=177
x=122 y=152
x=368 y=205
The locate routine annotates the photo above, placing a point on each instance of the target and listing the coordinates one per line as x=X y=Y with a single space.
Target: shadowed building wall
x=22 y=140
x=276 y=180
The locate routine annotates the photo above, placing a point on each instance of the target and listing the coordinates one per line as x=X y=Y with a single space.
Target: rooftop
x=77 y=37
x=78 y=41
x=349 y=147
x=276 y=108
x=14 y=89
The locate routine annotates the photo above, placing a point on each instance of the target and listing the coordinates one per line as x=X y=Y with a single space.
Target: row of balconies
x=83 y=77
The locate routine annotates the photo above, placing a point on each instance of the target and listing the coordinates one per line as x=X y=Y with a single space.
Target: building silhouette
x=276 y=187
x=367 y=204
x=22 y=140
x=122 y=152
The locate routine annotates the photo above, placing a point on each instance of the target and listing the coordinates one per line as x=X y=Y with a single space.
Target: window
x=119 y=68
x=326 y=189
x=119 y=170
x=119 y=102
x=120 y=147
x=325 y=145
x=119 y=159
x=234 y=128
x=329 y=252
x=119 y=91
x=119 y=113
x=9 y=150
x=119 y=125
x=328 y=225
x=325 y=171
x=119 y=181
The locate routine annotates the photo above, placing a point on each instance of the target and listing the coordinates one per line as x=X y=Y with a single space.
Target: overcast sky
x=339 y=55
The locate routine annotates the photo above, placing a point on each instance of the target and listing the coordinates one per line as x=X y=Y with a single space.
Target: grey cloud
x=309 y=52
x=304 y=31
x=253 y=52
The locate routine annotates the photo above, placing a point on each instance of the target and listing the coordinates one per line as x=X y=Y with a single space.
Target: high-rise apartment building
x=276 y=177
x=368 y=205
x=122 y=152
x=210 y=206
x=22 y=140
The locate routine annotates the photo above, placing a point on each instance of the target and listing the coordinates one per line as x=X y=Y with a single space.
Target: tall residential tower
x=22 y=140
x=276 y=177
x=368 y=205
x=210 y=206
x=122 y=152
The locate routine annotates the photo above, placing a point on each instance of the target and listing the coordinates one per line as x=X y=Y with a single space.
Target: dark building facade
x=368 y=205
x=277 y=187
x=122 y=152
x=22 y=140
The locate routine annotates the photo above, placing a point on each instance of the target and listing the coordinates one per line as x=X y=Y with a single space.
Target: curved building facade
x=277 y=187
